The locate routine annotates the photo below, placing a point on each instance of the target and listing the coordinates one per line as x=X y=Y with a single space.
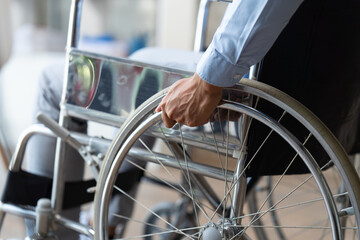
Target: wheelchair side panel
x=112 y=88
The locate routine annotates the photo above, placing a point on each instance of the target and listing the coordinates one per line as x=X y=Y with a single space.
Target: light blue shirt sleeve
x=248 y=30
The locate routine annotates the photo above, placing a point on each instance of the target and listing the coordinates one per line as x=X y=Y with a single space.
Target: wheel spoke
x=256 y=217
x=151 y=211
x=208 y=191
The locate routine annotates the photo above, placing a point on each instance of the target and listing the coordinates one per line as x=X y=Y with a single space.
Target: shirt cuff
x=216 y=70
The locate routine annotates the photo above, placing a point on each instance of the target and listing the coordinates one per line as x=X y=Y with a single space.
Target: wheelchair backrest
x=106 y=89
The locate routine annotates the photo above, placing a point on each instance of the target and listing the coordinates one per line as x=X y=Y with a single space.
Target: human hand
x=189 y=101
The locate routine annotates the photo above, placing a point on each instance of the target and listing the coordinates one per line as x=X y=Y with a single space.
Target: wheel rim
x=133 y=135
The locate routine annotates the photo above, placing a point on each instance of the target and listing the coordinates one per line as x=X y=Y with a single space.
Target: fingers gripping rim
x=140 y=113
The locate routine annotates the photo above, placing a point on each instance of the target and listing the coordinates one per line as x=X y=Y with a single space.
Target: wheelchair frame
x=71 y=107
x=76 y=140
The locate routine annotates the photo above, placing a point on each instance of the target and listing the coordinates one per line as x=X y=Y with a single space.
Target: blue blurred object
x=138 y=42
x=99 y=39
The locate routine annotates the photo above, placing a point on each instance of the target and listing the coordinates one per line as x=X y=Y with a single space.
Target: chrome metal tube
x=16 y=161
x=38 y=129
x=18 y=211
x=59 y=181
x=202 y=23
x=29 y=213
x=238 y=199
x=72 y=42
x=255 y=71
x=74 y=24
x=78 y=227
x=202 y=20
x=196 y=168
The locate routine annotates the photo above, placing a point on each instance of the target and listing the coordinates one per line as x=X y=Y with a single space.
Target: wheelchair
x=263 y=167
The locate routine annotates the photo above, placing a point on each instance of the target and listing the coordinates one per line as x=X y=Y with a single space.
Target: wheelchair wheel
x=277 y=218
x=266 y=131
x=173 y=213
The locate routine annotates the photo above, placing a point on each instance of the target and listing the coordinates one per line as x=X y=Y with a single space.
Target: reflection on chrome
x=113 y=85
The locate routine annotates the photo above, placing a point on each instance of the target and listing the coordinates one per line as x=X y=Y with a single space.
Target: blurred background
x=33 y=34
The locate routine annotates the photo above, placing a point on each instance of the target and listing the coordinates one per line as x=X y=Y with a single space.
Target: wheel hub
x=222 y=230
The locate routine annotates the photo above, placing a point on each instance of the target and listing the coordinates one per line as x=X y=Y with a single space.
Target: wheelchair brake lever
x=64 y=134
x=59 y=131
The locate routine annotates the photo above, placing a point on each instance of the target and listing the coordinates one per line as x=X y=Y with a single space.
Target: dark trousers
x=316 y=60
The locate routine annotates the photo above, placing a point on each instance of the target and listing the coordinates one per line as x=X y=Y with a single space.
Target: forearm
x=247 y=32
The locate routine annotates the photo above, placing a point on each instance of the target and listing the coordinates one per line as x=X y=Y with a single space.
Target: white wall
x=176 y=23
x=18 y=86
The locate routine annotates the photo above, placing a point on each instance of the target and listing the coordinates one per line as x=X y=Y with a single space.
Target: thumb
x=169 y=123
x=158 y=108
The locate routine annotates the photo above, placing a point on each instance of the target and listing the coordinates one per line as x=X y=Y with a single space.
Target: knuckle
x=181 y=121
x=170 y=114
x=192 y=123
